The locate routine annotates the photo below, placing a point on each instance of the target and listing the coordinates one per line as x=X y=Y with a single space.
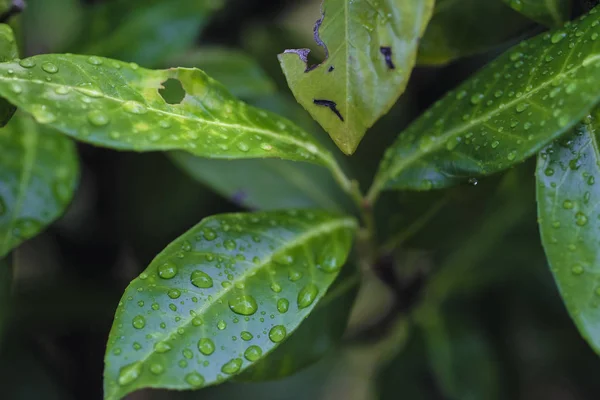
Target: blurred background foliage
x=469 y=309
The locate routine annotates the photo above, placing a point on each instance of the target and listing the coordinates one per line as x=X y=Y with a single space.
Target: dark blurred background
x=466 y=308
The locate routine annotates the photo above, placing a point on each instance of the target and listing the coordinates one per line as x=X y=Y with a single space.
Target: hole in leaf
x=173 y=92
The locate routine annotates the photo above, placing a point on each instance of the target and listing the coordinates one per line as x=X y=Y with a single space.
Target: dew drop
x=27 y=63
x=243 y=305
x=277 y=333
x=157 y=368
x=49 y=68
x=557 y=37
x=98 y=118
x=206 y=346
x=307 y=295
x=476 y=98
x=167 y=270
x=232 y=366
x=201 y=279
x=253 y=353
x=194 y=379
x=130 y=373
x=162 y=347
x=138 y=322
x=283 y=305
x=221 y=325
x=174 y=293
x=246 y=336
x=581 y=219
x=209 y=234
x=133 y=107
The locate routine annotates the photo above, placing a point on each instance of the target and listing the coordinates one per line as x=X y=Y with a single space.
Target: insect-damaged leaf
x=38 y=174
x=122 y=106
x=507 y=112
x=221 y=297
x=551 y=13
x=568 y=194
x=371 y=49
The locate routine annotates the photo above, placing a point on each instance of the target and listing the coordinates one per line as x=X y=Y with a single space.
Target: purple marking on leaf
x=303 y=53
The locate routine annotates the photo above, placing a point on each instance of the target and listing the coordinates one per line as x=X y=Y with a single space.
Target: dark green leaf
x=371 y=49
x=460 y=28
x=118 y=105
x=8 y=52
x=239 y=72
x=222 y=296
x=319 y=334
x=5 y=284
x=551 y=13
x=50 y=26
x=38 y=175
x=568 y=176
x=507 y=112
x=151 y=33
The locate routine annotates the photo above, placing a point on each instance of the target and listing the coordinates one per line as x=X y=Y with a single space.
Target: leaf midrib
x=441 y=140
x=310 y=147
x=326 y=227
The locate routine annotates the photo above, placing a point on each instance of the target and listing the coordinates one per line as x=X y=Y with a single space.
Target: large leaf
x=118 y=105
x=8 y=52
x=460 y=28
x=547 y=12
x=371 y=50
x=222 y=296
x=568 y=176
x=38 y=175
x=318 y=334
x=507 y=112
x=146 y=33
x=239 y=72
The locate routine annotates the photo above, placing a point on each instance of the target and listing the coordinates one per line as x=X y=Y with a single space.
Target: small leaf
x=38 y=175
x=236 y=70
x=121 y=106
x=207 y=306
x=551 y=13
x=371 y=49
x=318 y=334
x=507 y=112
x=8 y=52
x=149 y=34
x=568 y=176
x=460 y=28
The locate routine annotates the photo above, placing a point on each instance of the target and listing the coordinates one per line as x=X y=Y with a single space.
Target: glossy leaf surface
x=507 y=112
x=460 y=28
x=222 y=296
x=8 y=52
x=151 y=31
x=319 y=334
x=551 y=13
x=38 y=175
x=236 y=70
x=371 y=50
x=114 y=104
x=568 y=192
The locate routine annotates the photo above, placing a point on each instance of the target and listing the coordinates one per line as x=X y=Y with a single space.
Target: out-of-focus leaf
x=318 y=334
x=236 y=70
x=485 y=125
x=5 y=284
x=568 y=176
x=221 y=297
x=370 y=52
x=551 y=13
x=8 y=52
x=461 y=28
x=113 y=104
x=38 y=175
x=51 y=25
x=150 y=34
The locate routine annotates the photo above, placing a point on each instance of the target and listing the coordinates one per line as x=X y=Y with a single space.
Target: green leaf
x=371 y=49
x=51 y=25
x=236 y=70
x=507 y=112
x=551 y=13
x=38 y=175
x=568 y=176
x=150 y=34
x=318 y=334
x=460 y=28
x=117 y=105
x=8 y=52
x=221 y=297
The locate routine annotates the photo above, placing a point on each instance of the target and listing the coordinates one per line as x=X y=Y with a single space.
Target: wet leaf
x=121 y=106
x=529 y=96
x=551 y=13
x=568 y=176
x=221 y=297
x=371 y=50
x=236 y=70
x=460 y=28
x=319 y=334
x=8 y=52
x=148 y=34
x=38 y=174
